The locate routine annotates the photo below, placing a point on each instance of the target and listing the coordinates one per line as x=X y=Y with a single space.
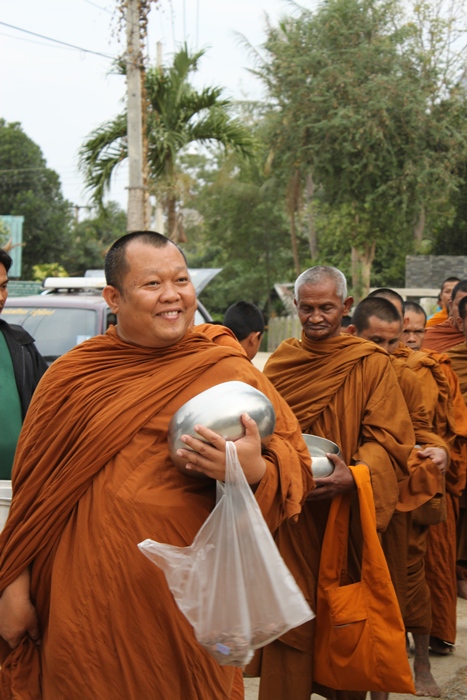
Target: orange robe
x=343 y=389
x=92 y=478
x=414 y=598
x=439 y=317
x=221 y=335
x=442 y=337
x=440 y=560
x=458 y=357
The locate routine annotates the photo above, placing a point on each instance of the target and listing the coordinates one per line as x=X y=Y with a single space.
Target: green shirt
x=10 y=411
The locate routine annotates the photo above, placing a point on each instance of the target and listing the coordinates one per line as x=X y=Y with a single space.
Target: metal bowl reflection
x=317 y=447
x=219 y=409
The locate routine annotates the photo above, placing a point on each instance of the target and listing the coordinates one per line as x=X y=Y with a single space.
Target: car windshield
x=55 y=330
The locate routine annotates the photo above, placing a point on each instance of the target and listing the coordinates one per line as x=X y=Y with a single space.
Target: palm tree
x=177 y=115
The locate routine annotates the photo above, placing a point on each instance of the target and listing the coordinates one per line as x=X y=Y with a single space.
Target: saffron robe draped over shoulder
x=437 y=318
x=458 y=357
x=343 y=389
x=92 y=478
x=441 y=337
x=221 y=335
x=404 y=542
x=440 y=560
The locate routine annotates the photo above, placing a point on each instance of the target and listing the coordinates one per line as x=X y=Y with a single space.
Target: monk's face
x=386 y=334
x=445 y=294
x=158 y=300
x=454 y=310
x=320 y=309
x=414 y=330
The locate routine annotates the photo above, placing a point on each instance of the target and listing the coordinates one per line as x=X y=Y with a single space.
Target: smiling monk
x=93 y=477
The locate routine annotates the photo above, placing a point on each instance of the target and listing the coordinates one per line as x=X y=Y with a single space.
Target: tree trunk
x=293 y=238
x=419 y=228
x=171 y=217
x=362 y=260
x=292 y=203
x=310 y=191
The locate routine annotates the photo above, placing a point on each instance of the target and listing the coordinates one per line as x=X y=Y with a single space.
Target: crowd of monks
x=93 y=477
x=364 y=401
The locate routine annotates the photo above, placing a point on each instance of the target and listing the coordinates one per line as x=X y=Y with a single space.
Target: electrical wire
x=57 y=41
x=99 y=7
x=32 y=41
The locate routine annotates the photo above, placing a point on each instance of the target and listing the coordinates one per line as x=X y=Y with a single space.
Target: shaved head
x=390 y=294
x=414 y=325
x=380 y=307
x=322 y=273
x=376 y=319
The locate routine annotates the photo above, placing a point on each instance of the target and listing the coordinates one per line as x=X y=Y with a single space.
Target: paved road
x=260 y=359
x=449 y=671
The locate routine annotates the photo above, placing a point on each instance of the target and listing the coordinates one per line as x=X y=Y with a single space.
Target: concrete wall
x=431 y=270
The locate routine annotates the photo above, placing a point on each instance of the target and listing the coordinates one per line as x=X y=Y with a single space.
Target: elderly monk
x=404 y=542
x=444 y=402
x=413 y=331
x=444 y=298
x=445 y=335
x=458 y=357
x=344 y=389
x=93 y=477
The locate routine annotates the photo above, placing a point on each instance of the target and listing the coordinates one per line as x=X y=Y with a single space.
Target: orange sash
x=360 y=635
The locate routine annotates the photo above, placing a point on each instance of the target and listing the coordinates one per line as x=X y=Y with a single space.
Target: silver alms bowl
x=219 y=409
x=317 y=447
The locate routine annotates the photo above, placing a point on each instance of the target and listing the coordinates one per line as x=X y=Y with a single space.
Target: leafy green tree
x=238 y=222
x=359 y=103
x=29 y=188
x=93 y=236
x=177 y=115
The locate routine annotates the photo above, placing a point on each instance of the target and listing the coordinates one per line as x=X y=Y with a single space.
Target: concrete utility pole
x=159 y=218
x=136 y=213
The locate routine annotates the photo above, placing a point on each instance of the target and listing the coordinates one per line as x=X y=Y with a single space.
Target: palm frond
x=99 y=156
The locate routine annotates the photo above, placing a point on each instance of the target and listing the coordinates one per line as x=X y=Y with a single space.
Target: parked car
x=72 y=309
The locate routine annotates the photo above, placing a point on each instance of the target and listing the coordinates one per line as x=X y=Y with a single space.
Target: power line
x=57 y=41
x=99 y=7
x=32 y=41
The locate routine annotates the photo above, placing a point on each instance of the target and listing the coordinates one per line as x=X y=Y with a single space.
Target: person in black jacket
x=21 y=367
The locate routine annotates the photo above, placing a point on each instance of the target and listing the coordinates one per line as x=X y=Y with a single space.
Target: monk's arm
x=17 y=613
x=387 y=436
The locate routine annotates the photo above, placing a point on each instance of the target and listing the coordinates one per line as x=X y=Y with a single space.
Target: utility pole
x=136 y=213
x=159 y=218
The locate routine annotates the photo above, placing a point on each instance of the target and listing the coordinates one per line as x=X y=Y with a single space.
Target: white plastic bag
x=231 y=583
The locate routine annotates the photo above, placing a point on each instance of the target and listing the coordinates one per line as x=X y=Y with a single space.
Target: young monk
x=377 y=319
x=93 y=478
x=444 y=298
x=344 y=389
x=443 y=336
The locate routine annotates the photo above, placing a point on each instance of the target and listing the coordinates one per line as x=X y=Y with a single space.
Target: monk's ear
x=112 y=297
x=351 y=329
x=347 y=305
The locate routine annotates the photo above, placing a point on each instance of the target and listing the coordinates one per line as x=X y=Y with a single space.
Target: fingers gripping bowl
x=219 y=408
x=318 y=447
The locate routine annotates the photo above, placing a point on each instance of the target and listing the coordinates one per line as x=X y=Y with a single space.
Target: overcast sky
x=60 y=94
